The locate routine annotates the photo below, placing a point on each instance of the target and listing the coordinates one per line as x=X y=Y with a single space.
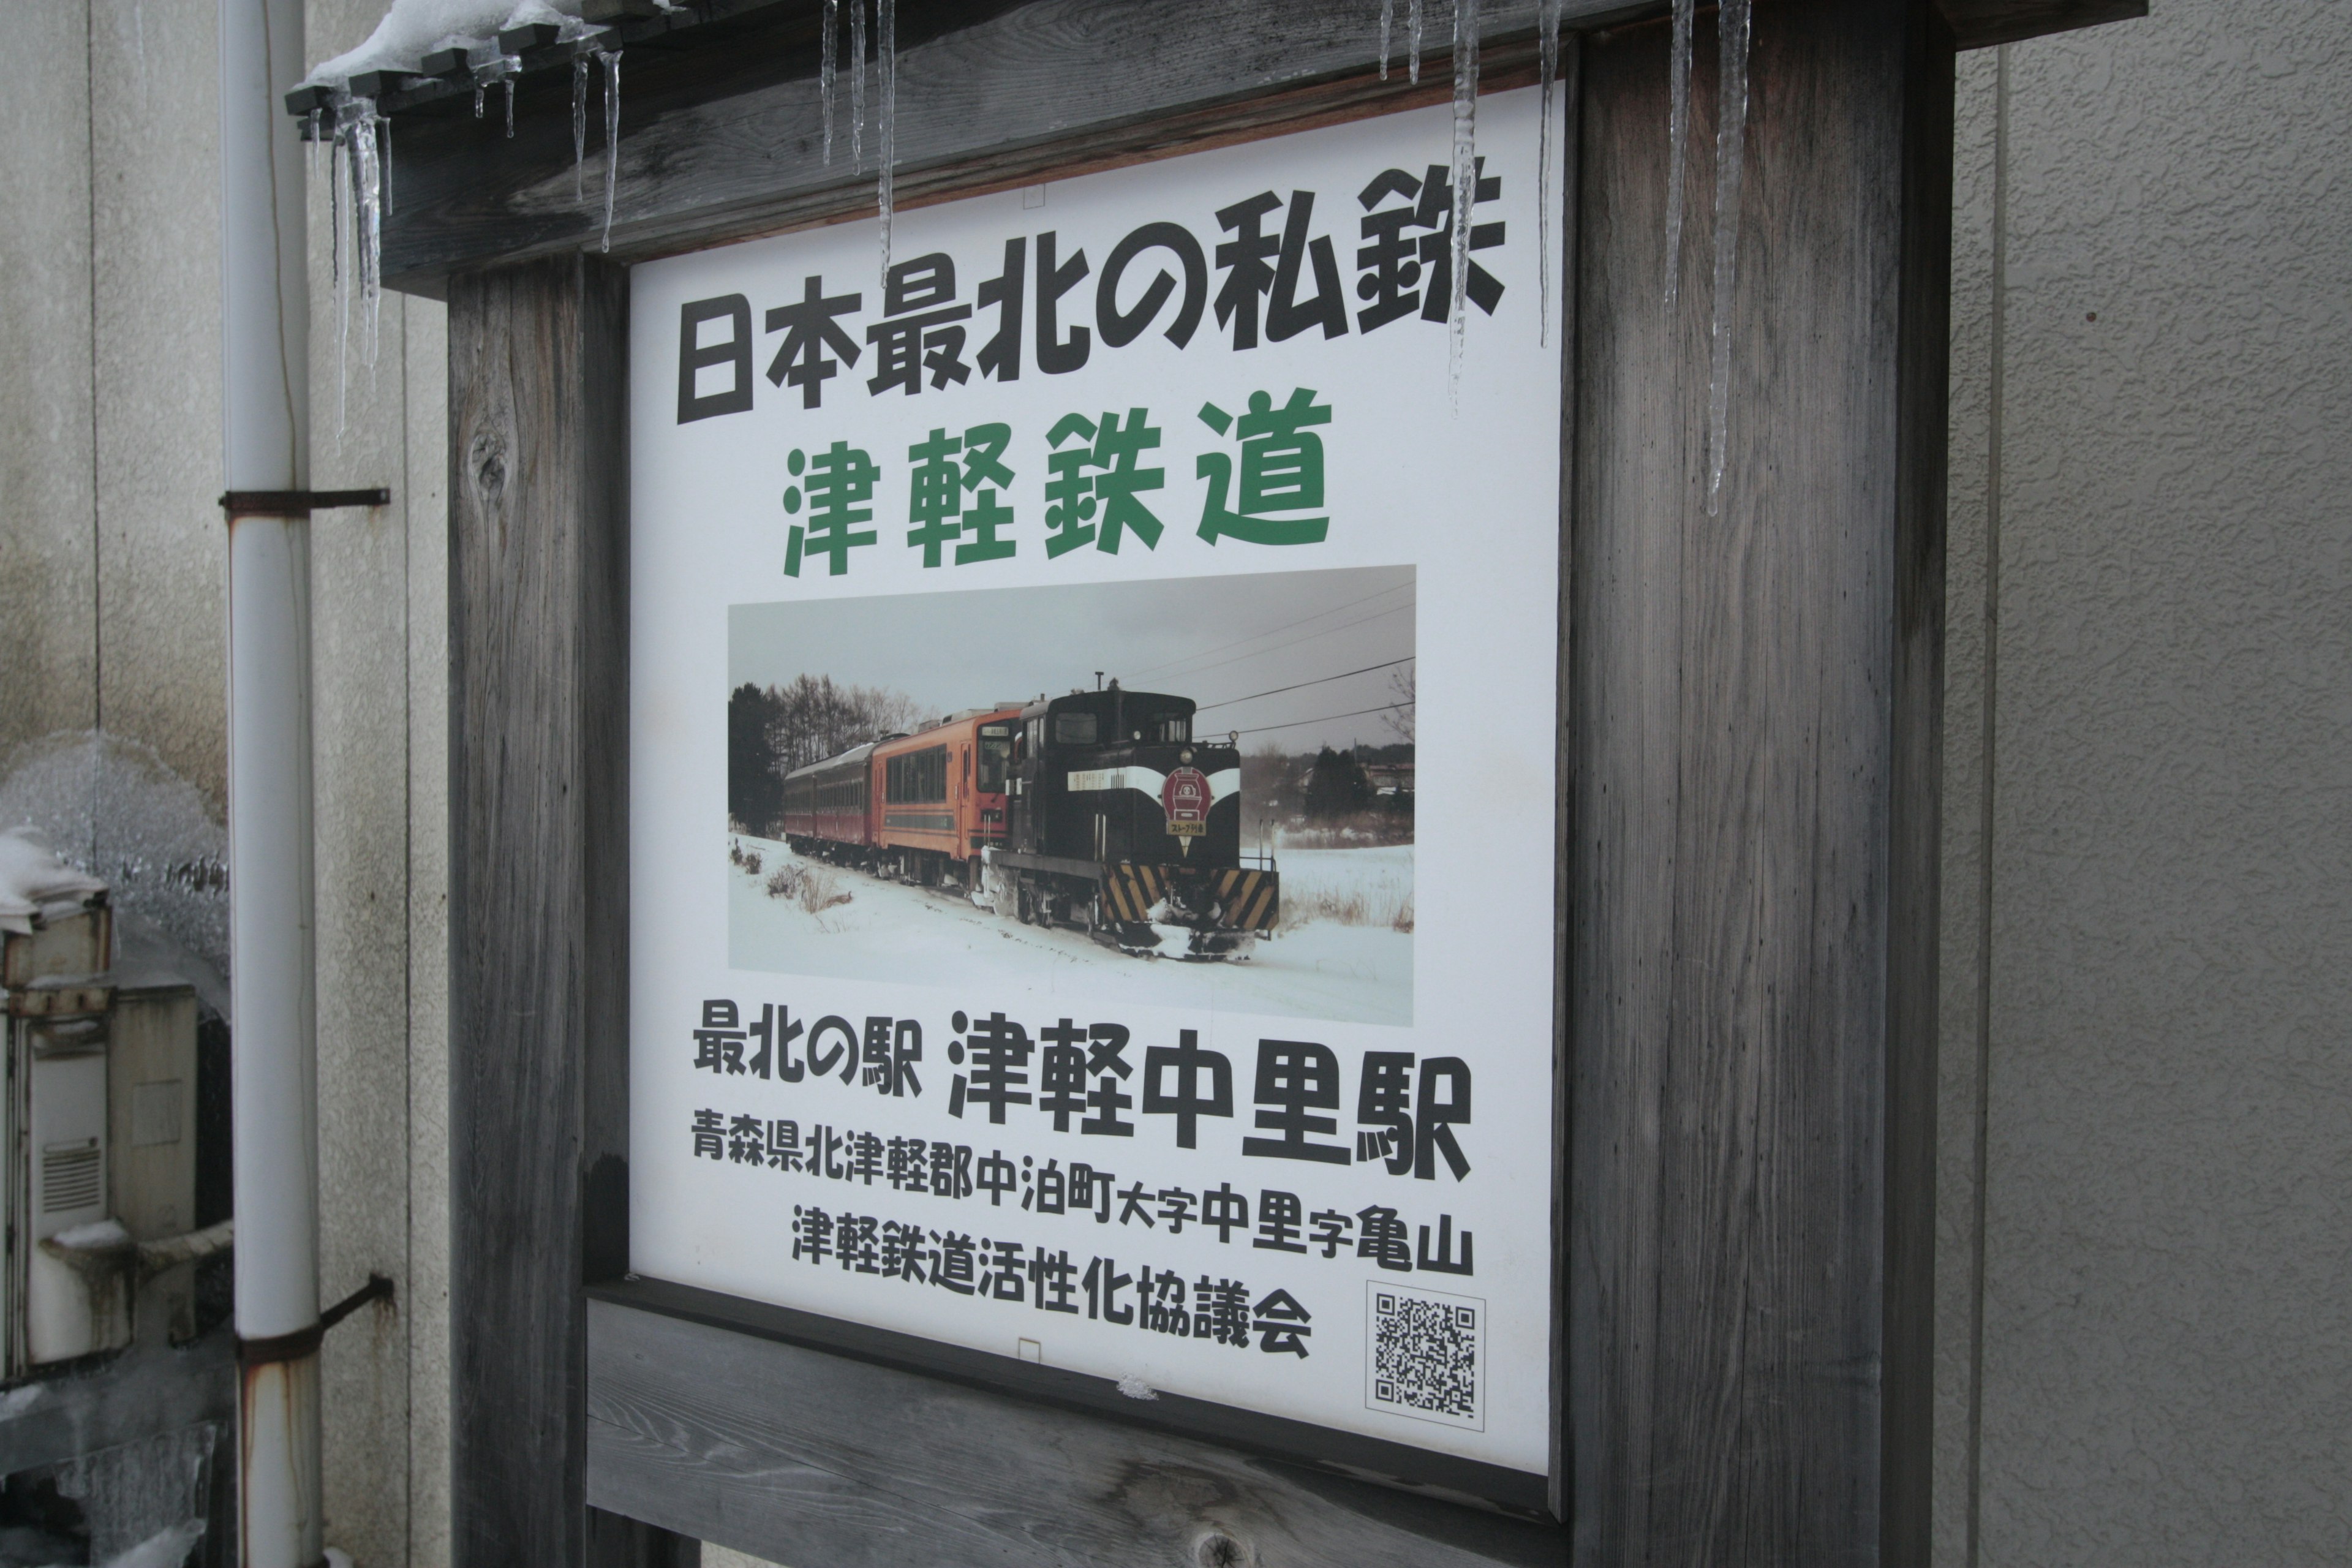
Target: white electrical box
x=100 y=1126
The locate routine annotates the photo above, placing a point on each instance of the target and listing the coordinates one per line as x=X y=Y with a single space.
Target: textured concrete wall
x=112 y=583
x=48 y=570
x=2145 y=1034
x=163 y=654
x=380 y=663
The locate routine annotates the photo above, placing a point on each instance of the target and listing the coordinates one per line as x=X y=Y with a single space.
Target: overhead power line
x=1273 y=631
x=1268 y=728
x=1310 y=636
x=1302 y=686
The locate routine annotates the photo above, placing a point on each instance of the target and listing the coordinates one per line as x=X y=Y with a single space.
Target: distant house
x=1389 y=779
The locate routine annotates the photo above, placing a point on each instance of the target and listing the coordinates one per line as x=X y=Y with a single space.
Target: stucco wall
x=112 y=578
x=2145 y=1029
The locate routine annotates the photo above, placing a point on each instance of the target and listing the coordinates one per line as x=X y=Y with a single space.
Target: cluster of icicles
x=1733 y=29
x=357 y=140
x=360 y=188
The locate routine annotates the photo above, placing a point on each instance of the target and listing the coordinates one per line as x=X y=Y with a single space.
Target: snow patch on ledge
x=411 y=29
x=33 y=880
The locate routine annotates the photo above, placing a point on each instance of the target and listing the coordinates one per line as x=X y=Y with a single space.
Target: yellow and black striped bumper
x=1245 y=900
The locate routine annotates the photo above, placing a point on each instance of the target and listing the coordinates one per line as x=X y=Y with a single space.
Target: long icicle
x=511 y=84
x=1548 y=72
x=1387 y=24
x=1732 y=25
x=886 y=43
x=612 y=60
x=341 y=265
x=1678 y=74
x=368 y=208
x=857 y=84
x=1465 y=185
x=1413 y=27
x=825 y=68
x=579 y=125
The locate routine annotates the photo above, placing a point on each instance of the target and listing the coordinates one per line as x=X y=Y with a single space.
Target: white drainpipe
x=265 y=419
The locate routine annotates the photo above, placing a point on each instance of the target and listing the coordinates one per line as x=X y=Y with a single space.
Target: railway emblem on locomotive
x=1185 y=798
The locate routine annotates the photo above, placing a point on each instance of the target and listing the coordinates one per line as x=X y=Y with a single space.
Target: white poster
x=1092 y=778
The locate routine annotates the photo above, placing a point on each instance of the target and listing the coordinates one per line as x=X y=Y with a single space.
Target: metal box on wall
x=100 y=1134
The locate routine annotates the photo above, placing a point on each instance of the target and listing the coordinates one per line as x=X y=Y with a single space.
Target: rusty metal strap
x=297 y=503
x=304 y=1342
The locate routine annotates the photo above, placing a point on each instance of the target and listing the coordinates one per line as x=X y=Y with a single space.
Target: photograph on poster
x=1197 y=790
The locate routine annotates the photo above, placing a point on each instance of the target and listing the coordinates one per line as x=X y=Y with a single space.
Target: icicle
x=885 y=27
x=1548 y=71
x=1677 y=129
x=1730 y=150
x=1387 y=22
x=335 y=233
x=579 y=123
x=825 y=68
x=857 y=84
x=1465 y=182
x=1413 y=26
x=509 y=81
x=611 y=136
x=479 y=90
x=367 y=211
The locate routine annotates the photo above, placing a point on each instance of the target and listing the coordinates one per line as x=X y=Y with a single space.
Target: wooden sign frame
x=1748 y=834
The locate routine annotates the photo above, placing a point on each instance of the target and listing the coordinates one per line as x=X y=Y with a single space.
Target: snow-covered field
x=1319 y=968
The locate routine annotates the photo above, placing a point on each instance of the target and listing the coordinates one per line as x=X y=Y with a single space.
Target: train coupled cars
x=1127 y=826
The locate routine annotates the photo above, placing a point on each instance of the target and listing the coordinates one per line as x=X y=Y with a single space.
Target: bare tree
x=1399 y=718
x=811 y=719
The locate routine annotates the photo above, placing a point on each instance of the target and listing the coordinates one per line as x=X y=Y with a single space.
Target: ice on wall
x=1732 y=25
x=886 y=22
x=824 y=69
x=112 y=810
x=1466 y=180
x=1677 y=127
x=1547 y=73
x=144 y=1501
x=612 y=62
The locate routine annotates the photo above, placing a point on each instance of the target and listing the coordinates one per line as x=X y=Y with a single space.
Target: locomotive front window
x=1174 y=726
x=995 y=754
x=1074 y=729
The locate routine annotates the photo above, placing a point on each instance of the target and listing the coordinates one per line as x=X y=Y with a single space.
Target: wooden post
x=539 y=893
x=1754 y=717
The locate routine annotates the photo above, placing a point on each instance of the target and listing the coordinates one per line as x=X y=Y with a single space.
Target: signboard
x=1093 y=720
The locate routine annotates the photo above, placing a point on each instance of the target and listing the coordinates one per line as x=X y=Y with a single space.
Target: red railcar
x=923 y=805
x=940 y=794
x=828 y=806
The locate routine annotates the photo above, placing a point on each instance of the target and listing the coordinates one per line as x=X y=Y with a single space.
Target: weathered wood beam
x=1754 y=709
x=538 y=889
x=1979 y=24
x=722 y=125
x=800 y=1455
x=722 y=142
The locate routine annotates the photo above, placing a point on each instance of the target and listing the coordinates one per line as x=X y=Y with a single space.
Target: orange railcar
x=939 y=794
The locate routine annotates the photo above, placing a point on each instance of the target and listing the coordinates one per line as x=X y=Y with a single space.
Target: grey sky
x=1210 y=638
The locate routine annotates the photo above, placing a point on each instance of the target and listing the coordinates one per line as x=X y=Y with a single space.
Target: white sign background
x=1467 y=495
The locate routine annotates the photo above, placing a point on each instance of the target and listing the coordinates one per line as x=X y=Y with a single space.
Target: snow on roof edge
x=33 y=879
x=411 y=29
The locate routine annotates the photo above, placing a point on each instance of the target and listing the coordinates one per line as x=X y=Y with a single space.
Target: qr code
x=1426 y=1355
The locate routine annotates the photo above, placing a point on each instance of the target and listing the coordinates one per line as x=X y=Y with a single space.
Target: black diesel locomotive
x=1125 y=825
